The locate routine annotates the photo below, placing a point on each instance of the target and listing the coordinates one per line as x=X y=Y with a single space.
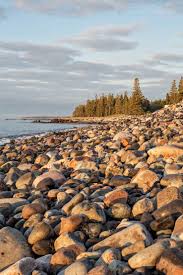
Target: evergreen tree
x=167 y=99
x=125 y=104
x=174 y=95
x=118 y=104
x=137 y=99
x=180 y=90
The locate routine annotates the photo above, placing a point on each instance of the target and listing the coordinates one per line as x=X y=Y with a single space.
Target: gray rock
x=13 y=247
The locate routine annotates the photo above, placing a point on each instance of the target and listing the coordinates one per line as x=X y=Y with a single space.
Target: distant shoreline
x=62 y=120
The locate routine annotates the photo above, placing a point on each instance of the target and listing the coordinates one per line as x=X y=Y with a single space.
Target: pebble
x=99 y=200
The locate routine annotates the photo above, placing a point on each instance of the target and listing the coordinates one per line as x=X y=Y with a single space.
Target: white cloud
x=87 y=7
x=105 y=38
x=72 y=7
x=31 y=72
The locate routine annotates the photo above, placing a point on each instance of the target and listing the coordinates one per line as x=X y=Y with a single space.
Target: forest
x=135 y=104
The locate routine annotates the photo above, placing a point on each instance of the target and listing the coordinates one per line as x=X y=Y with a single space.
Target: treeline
x=136 y=104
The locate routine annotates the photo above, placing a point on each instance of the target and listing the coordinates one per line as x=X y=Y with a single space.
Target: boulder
x=56 y=177
x=25 y=180
x=115 y=196
x=91 y=210
x=166 y=151
x=145 y=179
x=173 y=207
x=15 y=202
x=77 y=268
x=70 y=224
x=13 y=247
x=142 y=206
x=74 y=201
x=171 y=262
x=41 y=231
x=148 y=256
x=21 y=267
x=67 y=239
x=177 y=233
x=127 y=236
x=167 y=195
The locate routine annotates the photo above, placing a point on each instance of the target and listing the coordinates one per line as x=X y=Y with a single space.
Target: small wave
x=6 y=140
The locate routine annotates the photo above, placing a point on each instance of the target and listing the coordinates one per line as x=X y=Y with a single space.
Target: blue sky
x=56 y=54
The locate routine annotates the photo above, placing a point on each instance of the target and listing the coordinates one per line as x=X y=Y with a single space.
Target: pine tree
x=118 y=104
x=137 y=98
x=174 y=95
x=168 y=99
x=180 y=90
x=125 y=105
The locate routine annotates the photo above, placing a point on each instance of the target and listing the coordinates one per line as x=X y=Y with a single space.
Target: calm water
x=17 y=128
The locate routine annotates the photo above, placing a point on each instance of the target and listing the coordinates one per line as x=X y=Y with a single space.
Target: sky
x=56 y=54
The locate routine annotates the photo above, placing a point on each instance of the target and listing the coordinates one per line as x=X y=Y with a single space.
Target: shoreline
x=71 y=199
x=14 y=138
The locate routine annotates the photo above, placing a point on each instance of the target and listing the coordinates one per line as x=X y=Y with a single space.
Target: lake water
x=16 y=128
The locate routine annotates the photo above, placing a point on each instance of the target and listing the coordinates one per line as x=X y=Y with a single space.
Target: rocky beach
x=100 y=200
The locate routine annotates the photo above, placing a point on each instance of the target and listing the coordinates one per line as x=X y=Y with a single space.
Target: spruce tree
x=137 y=98
x=180 y=90
x=118 y=104
x=174 y=95
x=125 y=105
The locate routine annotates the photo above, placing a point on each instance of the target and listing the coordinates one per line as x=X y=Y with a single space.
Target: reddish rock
x=145 y=179
x=171 y=262
x=32 y=209
x=177 y=233
x=167 y=195
x=115 y=196
x=64 y=256
x=166 y=151
x=100 y=270
x=70 y=224
x=142 y=206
